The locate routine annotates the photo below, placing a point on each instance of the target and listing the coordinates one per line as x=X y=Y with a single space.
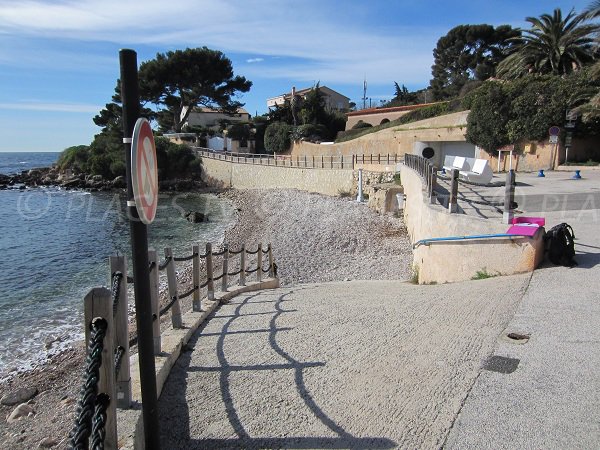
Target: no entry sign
x=144 y=171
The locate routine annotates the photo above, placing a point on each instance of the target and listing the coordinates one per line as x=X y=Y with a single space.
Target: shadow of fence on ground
x=343 y=439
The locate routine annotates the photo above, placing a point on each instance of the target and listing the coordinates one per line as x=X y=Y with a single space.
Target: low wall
x=222 y=173
x=443 y=262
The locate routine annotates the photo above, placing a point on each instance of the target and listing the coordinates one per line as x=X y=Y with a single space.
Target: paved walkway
x=389 y=364
x=336 y=365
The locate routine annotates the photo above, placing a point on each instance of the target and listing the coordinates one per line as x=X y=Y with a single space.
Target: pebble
x=18 y=396
x=23 y=410
x=48 y=442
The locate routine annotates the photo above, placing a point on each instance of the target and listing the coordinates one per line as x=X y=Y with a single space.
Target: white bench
x=481 y=172
x=458 y=162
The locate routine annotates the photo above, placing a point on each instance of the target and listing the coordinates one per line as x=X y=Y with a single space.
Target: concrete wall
x=396 y=140
x=374 y=118
x=460 y=260
x=248 y=176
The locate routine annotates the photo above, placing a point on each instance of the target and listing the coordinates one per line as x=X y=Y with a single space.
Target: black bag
x=560 y=245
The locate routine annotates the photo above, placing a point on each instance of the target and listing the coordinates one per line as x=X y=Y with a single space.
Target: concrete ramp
x=377 y=364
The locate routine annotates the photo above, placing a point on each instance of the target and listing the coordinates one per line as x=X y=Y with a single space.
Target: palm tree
x=554 y=45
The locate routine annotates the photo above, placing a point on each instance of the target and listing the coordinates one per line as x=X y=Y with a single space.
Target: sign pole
x=139 y=249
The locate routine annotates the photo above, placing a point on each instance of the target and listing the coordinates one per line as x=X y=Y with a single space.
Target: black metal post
x=139 y=249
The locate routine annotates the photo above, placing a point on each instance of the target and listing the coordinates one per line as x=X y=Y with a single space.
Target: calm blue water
x=17 y=162
x=54 y=247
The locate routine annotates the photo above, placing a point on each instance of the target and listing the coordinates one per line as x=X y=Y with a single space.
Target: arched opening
x=384 y=121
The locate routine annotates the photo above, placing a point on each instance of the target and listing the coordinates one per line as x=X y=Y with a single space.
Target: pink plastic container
x=539 y=221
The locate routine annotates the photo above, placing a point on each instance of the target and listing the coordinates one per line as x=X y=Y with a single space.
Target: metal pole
x=509 y=197
x=139 y=249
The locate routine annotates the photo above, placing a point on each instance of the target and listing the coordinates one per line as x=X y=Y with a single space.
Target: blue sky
x=59 y=59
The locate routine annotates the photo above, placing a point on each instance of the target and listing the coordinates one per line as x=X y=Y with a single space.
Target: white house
x=333 y=99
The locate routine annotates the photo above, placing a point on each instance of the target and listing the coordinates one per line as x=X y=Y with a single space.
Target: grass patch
x=344 y=194
x=414 y=277
x=397 y=178
x=483 y=274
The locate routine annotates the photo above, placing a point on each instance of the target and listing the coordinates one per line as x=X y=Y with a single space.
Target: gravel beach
x=314 y=239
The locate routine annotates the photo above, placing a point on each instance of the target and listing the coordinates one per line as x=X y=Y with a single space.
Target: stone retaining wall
x=222 y=173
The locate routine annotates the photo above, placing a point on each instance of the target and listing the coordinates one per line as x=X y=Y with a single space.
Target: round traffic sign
x=144 y=171
x=554 y=131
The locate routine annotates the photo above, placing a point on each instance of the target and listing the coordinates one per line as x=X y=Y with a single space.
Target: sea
x=55 y=245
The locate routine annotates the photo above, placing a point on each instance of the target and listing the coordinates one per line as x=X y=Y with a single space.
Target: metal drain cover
x=501 y=364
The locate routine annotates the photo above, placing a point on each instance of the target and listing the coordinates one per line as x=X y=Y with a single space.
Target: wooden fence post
x=154 y=304
x=509 y=197
x=225 y=268
x=305 y=161
x=322 y=162
x=243 y=266
x=432 y=197
x=98 y=304
x=123 y=381
x=196 y=304
x=331 y=161
x=259 y=263
x=313 y=164
x=173 y=296
x=209 y=272
x=271 y=268
x=342 y=161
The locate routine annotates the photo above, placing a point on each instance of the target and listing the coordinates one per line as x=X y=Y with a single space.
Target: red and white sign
x=144 y=171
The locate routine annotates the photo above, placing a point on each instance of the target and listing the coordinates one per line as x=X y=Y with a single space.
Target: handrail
x=465 y=238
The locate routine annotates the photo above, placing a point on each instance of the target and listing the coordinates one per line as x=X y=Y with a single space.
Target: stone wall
x=332 y=182
x=443 y=262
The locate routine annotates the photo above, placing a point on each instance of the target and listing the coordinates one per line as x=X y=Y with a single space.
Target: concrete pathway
x=552 y=399
x=376 y=364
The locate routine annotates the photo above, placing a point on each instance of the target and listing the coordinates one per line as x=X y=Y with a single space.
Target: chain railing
x=107 y=377
x=300 y=161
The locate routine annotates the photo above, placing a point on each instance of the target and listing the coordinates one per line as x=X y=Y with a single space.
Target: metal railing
x=426 y=170
x=300 y=161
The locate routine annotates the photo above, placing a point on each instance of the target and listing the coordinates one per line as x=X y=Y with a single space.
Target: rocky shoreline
x=67 y=179
x=314 y=239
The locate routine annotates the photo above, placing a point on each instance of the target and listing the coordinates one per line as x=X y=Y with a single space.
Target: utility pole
x=364 y=97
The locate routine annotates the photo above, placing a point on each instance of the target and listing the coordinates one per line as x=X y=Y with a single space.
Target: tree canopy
x=554 y=45
x=468 y=52
x=178 y=81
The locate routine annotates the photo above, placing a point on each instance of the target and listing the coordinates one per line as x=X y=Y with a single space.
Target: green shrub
x=277 y=137
x=75 y=158
x=360 y=124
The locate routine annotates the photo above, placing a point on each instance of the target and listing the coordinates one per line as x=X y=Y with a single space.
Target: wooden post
x=123 y=381
x=297 y=161
x=243 y=266
x=224 y=280
x=331 y=161
x=388 y=160
x=271 y=268
x=378 y=158
x=304 y=161
x=259 y=263
x=342 y=161
x=209 y=272
x=154 y=304
x=509 y=197
x=313 y=158
x=98 y=305
x=452 y=203
x=353 y=161
x=172 y=282
x=322 y=162
x=196 y=303
x=371 y=158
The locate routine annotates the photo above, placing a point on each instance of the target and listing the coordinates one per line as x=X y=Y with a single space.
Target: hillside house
x=333 y=100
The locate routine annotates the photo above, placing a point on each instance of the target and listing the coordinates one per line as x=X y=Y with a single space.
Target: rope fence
x=107 y=374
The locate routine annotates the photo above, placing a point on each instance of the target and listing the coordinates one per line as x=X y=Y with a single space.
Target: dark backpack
x=560 y=245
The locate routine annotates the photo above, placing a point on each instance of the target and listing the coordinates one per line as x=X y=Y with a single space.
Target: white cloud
x=331 y=48
x=52 y=107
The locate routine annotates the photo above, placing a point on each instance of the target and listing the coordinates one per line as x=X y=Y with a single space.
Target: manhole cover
x=501 y=364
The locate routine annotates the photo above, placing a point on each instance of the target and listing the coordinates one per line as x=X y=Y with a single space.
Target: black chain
x=221 y=253
x=116 y=290
x=252 y=271
x=267 y=269
x=231 y=252
x=99 y=423
x=265 y=251
x=85 y=408
x=168 y=307
x=186 y=258
x=233 y=274
x=188 y=293
x=254 y=252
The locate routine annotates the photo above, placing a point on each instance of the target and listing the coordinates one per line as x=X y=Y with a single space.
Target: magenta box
x=539 y=221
